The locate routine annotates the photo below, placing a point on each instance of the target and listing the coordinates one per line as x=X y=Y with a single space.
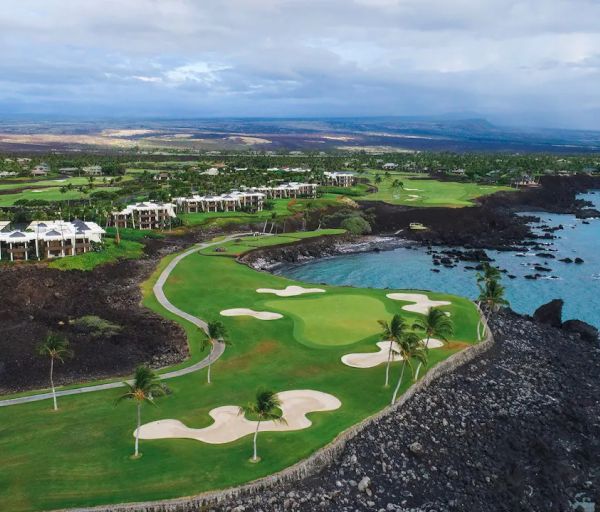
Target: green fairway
x=418 y=191
x=80 y=455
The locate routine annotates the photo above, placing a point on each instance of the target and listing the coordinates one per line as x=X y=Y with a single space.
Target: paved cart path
x=215 y=353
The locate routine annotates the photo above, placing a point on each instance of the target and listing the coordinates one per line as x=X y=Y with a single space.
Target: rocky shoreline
x=516 y=429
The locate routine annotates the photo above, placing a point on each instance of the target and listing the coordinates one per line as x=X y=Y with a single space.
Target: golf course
x=80 y=455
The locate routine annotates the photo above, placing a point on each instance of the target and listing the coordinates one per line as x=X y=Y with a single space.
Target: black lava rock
x=550 y=313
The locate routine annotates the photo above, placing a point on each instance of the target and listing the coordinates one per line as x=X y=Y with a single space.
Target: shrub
x=95 y=326
x=356 y=225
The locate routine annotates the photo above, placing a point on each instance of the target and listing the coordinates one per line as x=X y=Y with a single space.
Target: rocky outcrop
x=550 y=313
x=586 y=331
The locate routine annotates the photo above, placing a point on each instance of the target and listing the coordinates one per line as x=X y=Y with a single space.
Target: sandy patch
x=37 y=190
x=259 y=315
x=290 y=291
x=126 y=133
x=229 y=425
x=248 y=140
x=422 y=302
x=371 y=359
x=413 y=190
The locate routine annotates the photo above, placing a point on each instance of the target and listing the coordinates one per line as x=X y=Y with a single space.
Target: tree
x=436 y=323
x=265 y=407
x=216 y=333
x=410 y=347
x=144 y=388
x=489 y=273
x=391 y=332
x=56 y=346
x=491 y=295
x=356 y=225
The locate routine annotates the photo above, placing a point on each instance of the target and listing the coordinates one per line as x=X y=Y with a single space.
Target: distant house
x=240 y=169
x=389 y=166
x=92 y=170
x=458 y=172
x=23 y=161
x=7 y=174
x=40 y=170
x=213 y=171
x=162 y=176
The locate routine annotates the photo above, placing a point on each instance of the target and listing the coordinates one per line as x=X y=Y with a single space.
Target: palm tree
x=265 y=408
x=391 y=332
x=489 y=273
x=215 y=333
x=56 y=346
x=491 y=295
x=410 y=347
x=436 y=323
x=144 y=388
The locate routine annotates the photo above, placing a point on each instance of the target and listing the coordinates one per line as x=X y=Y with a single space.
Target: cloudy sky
x=528 y=62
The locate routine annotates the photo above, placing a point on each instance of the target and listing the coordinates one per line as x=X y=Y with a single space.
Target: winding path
x=215 y=353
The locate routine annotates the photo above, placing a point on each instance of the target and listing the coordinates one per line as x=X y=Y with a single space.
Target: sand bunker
x=259 y=315
x=414 y=189
x=229 y=425
x=290 y=291
x=371 y=359
x=422 y=302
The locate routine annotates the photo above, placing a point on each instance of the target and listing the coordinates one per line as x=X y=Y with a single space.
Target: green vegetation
x=49 y=194
x=418 y=191
x=56 y=347
x=111 y=252
x=95 y=327
x=88 y=442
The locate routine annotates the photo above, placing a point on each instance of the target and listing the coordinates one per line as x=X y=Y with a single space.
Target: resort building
x=339 y=179
x=147 y=215
x=231 y=202
x=291 y=190
x=48 y=239
x=69 y=170
x=162 y=176
x=389 y=166
x=92 y=170
x=7 y=174
x=40 y=170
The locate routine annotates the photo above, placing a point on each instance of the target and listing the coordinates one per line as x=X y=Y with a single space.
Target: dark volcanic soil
x=492 y=223
x=517 y=429
x=36 y=299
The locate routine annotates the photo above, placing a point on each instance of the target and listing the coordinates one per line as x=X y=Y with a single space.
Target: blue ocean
x=410 y=267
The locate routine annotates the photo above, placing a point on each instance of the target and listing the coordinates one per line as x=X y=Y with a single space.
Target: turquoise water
x=410 y=267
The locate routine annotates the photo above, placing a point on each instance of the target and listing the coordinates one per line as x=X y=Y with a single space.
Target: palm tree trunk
x=399 y=383
x=387 y=368
x=209 y=365
x=52 y=383
x=255 y=456
x=137 y=430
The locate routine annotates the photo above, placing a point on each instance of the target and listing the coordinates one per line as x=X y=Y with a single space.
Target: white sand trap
x=37 y=190
x=371 y=359
x=422 y=302
x=229 y=425
x=413 y=189
x=290 y=291
x=259 y=315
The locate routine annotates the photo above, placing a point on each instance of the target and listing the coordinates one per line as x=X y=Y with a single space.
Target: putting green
x=332 y=320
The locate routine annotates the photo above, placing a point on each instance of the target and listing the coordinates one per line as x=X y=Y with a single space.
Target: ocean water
x=410 y=267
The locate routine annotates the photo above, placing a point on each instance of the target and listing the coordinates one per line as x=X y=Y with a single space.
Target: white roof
x=148 y=206
x=52 y=230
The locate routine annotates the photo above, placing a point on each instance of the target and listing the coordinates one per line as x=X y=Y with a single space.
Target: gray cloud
x=527 y=61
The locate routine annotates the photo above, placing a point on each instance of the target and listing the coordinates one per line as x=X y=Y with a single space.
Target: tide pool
x=410 y=267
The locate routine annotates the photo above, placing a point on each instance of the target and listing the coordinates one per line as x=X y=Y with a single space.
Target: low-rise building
x=290 y=190
x=162 y=176
x=92 y=170
x=389 y=166
x=7 y=174
x=233 y=201
x=69 y=170
x=146 y=215
x=40 y=170
x=49 y=239
x=339 y=179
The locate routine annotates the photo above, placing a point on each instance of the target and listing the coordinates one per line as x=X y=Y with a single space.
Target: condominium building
x=92 y=170
x=339 y=179
x=147 y=215
x=231 y=202
x=49 y=239
x=289 y=190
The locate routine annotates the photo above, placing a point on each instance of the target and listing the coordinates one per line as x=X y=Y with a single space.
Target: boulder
x=586 y=331
x=550 y=313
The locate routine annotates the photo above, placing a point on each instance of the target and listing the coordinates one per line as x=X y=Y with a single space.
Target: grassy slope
x=80 y=455
x=127 y=250
x=431 y=192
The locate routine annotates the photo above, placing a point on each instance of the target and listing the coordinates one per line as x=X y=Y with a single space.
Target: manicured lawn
x=79 y=456
x=111 y=252
x=426 y=192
